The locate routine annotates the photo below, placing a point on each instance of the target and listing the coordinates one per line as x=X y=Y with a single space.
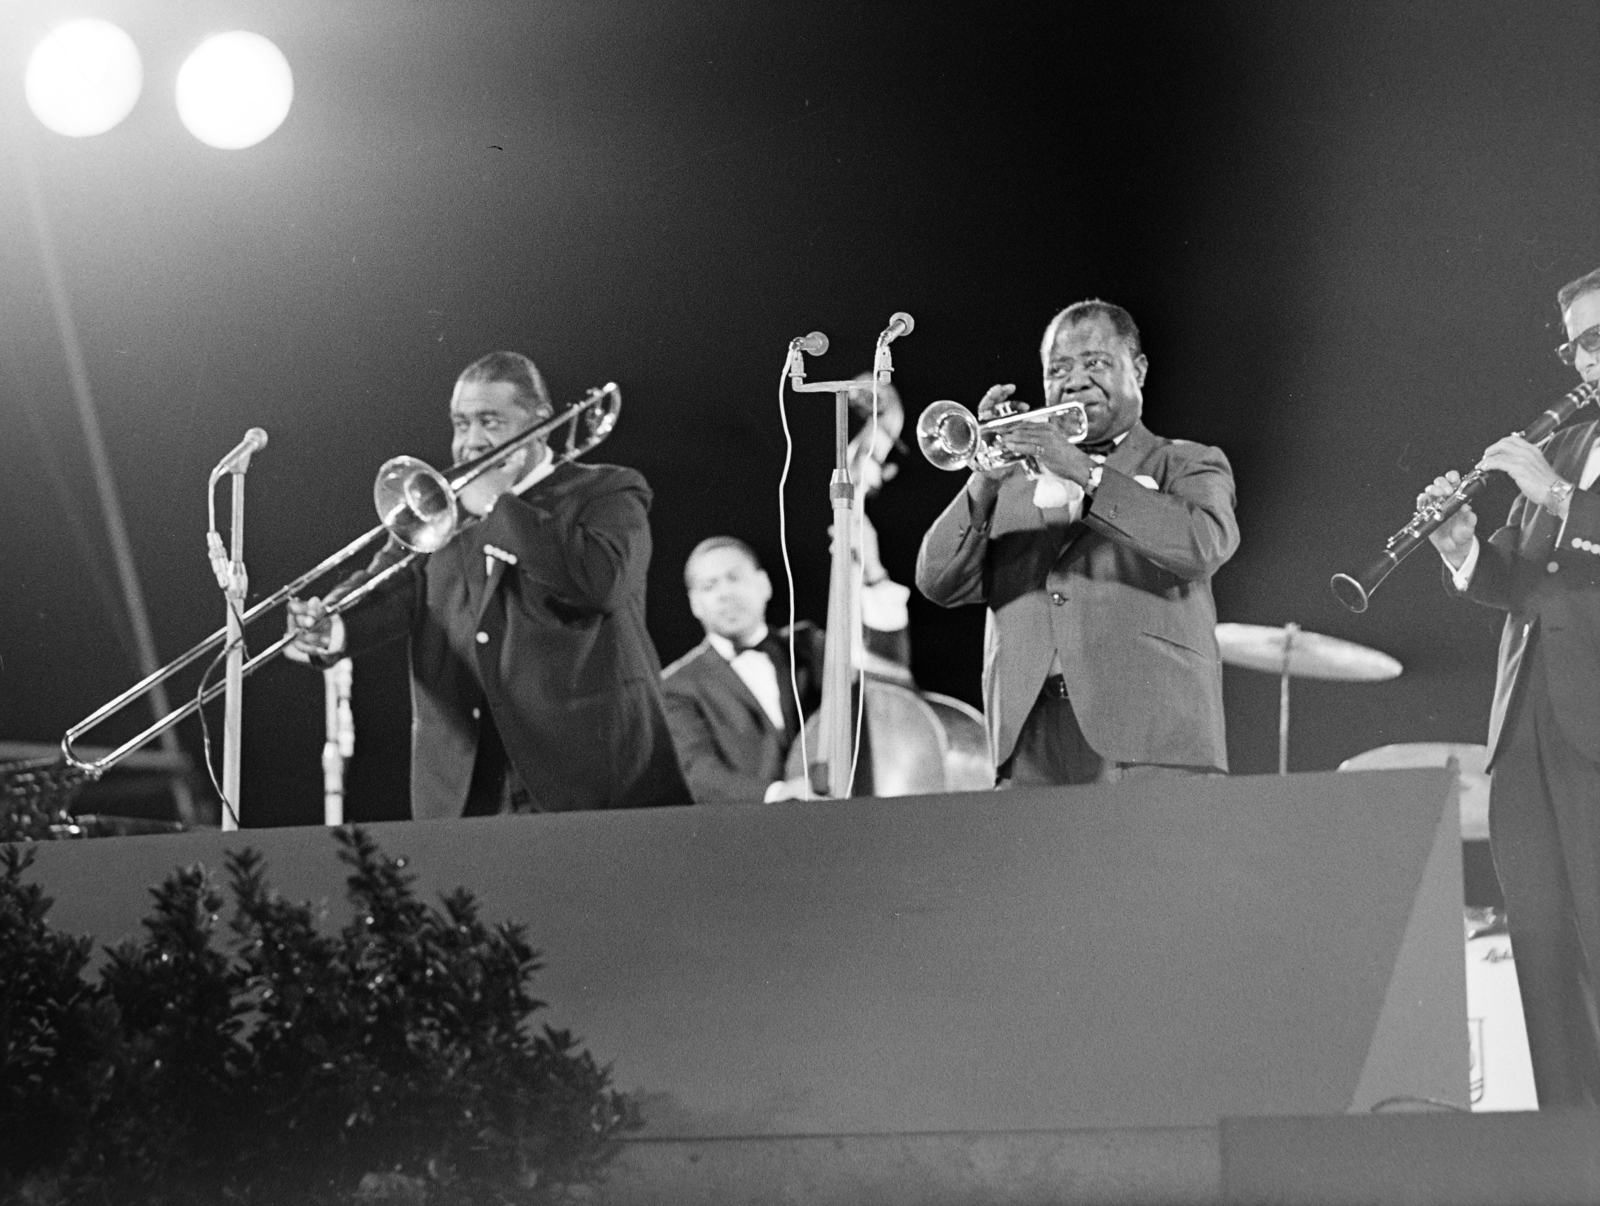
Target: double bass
x=912 y=742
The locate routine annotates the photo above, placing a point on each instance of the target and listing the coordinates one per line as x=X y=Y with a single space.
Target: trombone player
x=534 y=684
x=1543 y=569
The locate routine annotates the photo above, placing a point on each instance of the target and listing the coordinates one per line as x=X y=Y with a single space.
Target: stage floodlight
x=234 y=90
x=83 y=78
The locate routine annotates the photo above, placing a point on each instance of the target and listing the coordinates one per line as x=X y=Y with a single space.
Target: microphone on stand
x=900 y=323
x=814 y=344
x=238 y=461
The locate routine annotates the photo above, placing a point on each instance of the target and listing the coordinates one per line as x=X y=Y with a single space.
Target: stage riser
x=1121 y=956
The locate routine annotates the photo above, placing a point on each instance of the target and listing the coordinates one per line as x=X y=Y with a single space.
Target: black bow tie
x=1103 y=448
x=769 y=645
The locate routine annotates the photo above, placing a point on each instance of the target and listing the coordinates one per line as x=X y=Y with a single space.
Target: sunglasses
x=1588 y=340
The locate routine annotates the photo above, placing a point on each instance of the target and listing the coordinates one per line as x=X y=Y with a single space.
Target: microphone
x=813 y=344
x=238 y=461
x=900 y=323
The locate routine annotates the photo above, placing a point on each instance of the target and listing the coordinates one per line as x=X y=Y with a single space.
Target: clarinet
x=1355 y=590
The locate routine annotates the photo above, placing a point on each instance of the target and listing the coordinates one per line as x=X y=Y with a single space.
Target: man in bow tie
x=731 y=703
x=534 y=685
x=1542 y=567
x=1101 y=659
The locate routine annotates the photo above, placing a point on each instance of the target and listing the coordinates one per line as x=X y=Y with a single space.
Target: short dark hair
x=710 y=545
x=521 y=372
x=1121 y=322
x=1589 y=282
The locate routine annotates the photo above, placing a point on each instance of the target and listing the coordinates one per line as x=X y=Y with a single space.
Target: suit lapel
x=1128 y=456
x=721 y=670
x=1576 y=456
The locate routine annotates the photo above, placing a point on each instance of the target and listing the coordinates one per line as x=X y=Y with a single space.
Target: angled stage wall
x=1135 y=955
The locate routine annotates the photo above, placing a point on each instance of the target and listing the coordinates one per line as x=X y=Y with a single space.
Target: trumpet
x=417 y=505
x=952 y=438
x=1355 y=590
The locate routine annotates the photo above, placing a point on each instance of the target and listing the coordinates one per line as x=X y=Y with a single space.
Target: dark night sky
x=1340 y=226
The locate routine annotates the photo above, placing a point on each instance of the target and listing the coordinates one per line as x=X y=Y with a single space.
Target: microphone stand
x=830 y=772
x=235 y=582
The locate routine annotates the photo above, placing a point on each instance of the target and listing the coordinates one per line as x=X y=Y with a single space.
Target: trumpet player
x=1101 y=659
x=1542 y=567
x=534 y=685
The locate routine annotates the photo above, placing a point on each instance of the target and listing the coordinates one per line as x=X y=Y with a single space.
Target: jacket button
x=1552 y=567
x=1057 y=598
x=483 y=637
x=477 y=713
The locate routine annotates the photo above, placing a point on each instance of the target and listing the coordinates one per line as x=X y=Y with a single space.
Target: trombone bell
x=415 y=502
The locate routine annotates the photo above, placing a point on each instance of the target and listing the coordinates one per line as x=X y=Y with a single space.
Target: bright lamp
x=234 y=90
x=83 y=78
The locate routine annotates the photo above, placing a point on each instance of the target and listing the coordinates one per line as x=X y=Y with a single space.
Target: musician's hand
x=1454 y=536
x=789 y=789
x=1048 y=447
x=480 y=495
x=312 y=627
x=1526 y=465
x=994 y=399
x=984 y=485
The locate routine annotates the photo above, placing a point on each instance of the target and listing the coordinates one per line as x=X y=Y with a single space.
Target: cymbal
x=1311 y=655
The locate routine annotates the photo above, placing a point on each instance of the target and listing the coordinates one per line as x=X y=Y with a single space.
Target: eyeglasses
x=1588 y=340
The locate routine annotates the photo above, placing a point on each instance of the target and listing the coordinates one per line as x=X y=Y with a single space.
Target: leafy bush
x=392 y=1061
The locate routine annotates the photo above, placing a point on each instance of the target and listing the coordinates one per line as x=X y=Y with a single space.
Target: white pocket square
x=1145 y=480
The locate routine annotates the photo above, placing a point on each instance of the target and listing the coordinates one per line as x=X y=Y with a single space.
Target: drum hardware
x=1291 y=652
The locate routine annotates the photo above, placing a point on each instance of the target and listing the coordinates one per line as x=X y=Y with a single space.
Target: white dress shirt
x=1463 y=576
x=757 y=670
x=1052 y=493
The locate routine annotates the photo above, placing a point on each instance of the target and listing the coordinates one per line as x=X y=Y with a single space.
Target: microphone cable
x=205 y=729
x=788 y=569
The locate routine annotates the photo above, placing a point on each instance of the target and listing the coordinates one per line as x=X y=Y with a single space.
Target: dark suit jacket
x=728 y=747
x=1546 y=573
x=1123 y=597
x=554 y=647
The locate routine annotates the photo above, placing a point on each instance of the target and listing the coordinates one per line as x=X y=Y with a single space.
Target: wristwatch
x=1560 y=495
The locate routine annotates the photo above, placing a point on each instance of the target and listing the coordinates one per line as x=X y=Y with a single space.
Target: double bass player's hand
x=1453 y=538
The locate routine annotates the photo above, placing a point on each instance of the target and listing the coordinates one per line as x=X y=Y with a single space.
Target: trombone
x=417 y=506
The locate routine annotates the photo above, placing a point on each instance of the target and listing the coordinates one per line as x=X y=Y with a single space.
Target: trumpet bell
x=947 y=433
x=416 y=504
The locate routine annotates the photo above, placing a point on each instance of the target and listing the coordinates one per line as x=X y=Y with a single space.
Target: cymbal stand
x=1290 y=631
